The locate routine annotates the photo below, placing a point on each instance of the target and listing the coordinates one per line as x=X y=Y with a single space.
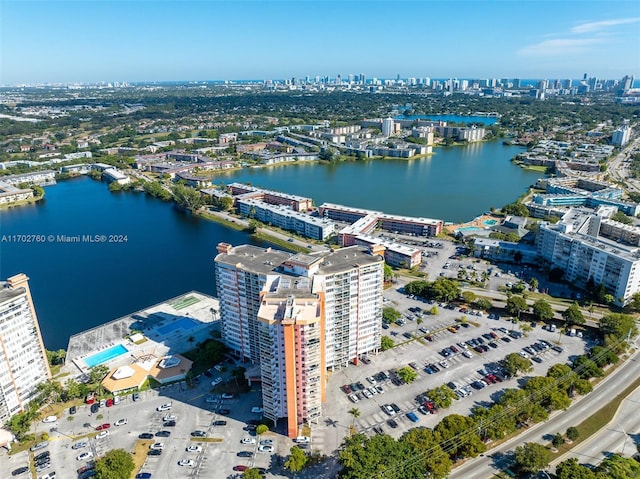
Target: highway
x=618 y=436
x=484 y=467
x=619 y=171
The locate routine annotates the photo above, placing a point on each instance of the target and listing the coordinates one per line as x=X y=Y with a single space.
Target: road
x=618 y=170
x=616 y=437
x=484 y=467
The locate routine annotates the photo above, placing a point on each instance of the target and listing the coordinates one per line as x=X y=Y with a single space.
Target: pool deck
x=199 y=307
x=479 y=222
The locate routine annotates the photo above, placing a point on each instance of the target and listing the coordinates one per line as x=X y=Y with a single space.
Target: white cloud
x=559 y=47
x=602 y=25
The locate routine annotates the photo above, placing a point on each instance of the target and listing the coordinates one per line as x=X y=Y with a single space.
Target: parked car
x=84 y=456
x=103 y=426
x=50 y=419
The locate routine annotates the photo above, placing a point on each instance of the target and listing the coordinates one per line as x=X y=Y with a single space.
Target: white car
x=257 y=410
x=248 y=440
x=371 y=379
x=216 y=381
x=120 y=422
x=265 y=449
x=84 y=456
x=169 y=417
x=49 y=419
x=444 y=364
x=186 y=462
x=227 y=396
x=303 y=439
x=194 y=449
x=353 y=398
x=157 y=446
x=102 y=434
x=366 y=393
x=164 y=407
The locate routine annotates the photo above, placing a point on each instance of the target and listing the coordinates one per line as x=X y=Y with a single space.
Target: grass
x=280 y=243
x=217 y=219
x=207 y=439
x=139 y=454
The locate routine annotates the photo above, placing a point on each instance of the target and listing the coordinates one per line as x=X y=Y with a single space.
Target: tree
x=386 y=343
x=542 y=310
x=483 y=304
x=297 y=460
x=571 y=469
x=442 y=396
x=557 y=440
x=532 y=457
x=494 y=422
x=603 y=356
x=261 y=429
x=586 y=368
x=407 y=374
x=515 y=305
x=514 y=363
x=573 y=315
x=252 y=473
x=355 y=414
x=619 y=326
x=425 y=443
x=619 y=467
x=620 y=217
x=572 y=433
x=463 y=429
x=445 y=289
x=115 y=464
x=388 y=272
x=533 y=282
x=517 y=209
x=187 y=197
x=390 y=315
x=634 y=303
x=20 y=423
x=468 y=297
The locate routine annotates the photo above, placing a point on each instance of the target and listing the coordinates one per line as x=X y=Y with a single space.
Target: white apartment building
x=578 y=246
x=621 y=136
x=298 y=313
x=23 y=360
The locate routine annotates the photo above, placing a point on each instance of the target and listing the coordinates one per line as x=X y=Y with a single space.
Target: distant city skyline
x=88 y=41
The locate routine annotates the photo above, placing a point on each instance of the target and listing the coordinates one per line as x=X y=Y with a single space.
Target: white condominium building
x=23 y=360
x=297 y=315
x=590 y=248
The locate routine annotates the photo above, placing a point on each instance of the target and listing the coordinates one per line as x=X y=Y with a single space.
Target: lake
x=168 y=252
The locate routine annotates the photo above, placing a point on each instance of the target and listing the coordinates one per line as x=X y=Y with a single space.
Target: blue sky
x=145 y=40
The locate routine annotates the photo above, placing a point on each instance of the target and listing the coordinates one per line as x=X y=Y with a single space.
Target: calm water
x=76 y=286
x=80 y=285
x=455 y=184
x=451 y=118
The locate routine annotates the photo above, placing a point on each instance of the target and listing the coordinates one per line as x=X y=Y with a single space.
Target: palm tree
x=355 y=413
x=418 y=323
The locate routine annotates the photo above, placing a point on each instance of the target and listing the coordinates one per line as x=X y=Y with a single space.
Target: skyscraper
x=23 y=359
x=297 y=315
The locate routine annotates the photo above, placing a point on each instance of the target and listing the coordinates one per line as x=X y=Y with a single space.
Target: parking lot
x=477 y=348
x=224 y=422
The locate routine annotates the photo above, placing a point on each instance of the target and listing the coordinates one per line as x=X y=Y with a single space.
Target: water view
x=76 y=286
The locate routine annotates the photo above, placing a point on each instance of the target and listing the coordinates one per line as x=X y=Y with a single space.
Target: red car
x=346 y=389
x=109 y=402
x=240 y=468
x=103 y=426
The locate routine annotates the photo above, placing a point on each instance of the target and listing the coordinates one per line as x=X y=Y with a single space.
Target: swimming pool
x=106 y=355
x=182 y=323
x=468 y=228
x=489 y=222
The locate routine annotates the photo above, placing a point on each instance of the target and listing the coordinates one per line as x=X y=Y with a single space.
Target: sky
x=176 y=40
